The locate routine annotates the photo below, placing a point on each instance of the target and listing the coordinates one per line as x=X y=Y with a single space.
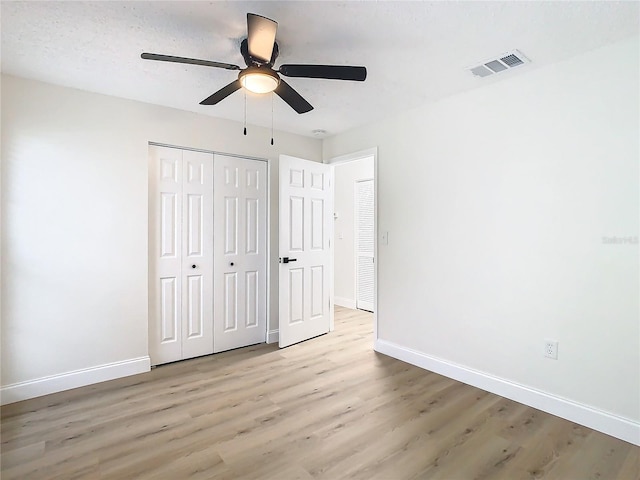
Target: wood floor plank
x=329 y=408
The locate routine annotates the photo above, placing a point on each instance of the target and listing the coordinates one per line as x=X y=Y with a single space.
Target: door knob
x=231 y=264
x=193 y=266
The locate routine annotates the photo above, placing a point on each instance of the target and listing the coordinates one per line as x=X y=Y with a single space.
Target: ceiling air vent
x=506 y=61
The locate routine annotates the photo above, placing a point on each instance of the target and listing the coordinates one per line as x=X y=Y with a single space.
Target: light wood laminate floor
x=328 y=408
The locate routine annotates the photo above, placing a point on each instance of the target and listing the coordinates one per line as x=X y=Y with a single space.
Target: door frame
x=268 y=233
x=350 y=157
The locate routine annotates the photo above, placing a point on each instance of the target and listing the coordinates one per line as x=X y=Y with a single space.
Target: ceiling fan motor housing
x=253 y=61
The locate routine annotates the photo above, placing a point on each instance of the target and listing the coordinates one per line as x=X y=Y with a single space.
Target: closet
x=207 y=253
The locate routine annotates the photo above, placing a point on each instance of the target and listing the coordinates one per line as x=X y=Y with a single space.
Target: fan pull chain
x=245 y=112
x=271 y=118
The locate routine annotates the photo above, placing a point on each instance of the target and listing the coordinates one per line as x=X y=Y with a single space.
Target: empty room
x=320 y=240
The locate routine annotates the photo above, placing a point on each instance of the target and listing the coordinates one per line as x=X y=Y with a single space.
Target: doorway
x=355 y=252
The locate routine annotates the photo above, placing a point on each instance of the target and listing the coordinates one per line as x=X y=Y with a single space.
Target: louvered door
x=365 y=245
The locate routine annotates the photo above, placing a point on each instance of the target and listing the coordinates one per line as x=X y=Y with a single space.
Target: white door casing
x=365 y=237
x=306 y=228
x=240 y=244
x=181 y=235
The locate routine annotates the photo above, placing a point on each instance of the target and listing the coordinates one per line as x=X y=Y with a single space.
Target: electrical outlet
x=551 y=349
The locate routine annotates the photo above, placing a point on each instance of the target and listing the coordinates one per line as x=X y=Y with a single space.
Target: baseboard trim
x=77 y=378
x=599 y=420
x=273 y=336
x=345 y=302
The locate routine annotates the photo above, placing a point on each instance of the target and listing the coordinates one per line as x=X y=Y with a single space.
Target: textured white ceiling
x=415 y=52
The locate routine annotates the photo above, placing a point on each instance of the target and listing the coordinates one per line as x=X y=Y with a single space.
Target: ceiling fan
x=260 y=52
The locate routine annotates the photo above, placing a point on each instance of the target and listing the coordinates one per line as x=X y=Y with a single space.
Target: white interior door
x=365 y=236
x=165 y=254
x=306 y=228
x=240 y=217
x=197 y=254
x=181 y=236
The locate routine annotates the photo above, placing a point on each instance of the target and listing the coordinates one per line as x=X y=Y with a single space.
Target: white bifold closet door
x=240 y=252
x=365 y=234
x=207 y=253
x=181 y=254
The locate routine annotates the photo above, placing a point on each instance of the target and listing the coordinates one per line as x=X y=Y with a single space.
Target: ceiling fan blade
x=261 y=35
x=221 y=94
x=190 y=61
x=293 y=98
x=333 y=72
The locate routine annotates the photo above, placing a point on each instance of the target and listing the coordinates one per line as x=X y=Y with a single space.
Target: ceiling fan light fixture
x=259 y=80
x=259 y=51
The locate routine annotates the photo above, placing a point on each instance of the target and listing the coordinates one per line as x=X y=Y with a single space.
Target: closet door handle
x=231 y=264
x=193 y=266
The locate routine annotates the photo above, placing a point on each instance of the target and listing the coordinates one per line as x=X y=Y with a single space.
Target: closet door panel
x=197 y=254
x=240 y=223
x=180 y=254
x=165 y=254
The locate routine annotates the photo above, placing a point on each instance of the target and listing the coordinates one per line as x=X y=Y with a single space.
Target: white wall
x=346 y=175
x=497 y=201
x=74 y=231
